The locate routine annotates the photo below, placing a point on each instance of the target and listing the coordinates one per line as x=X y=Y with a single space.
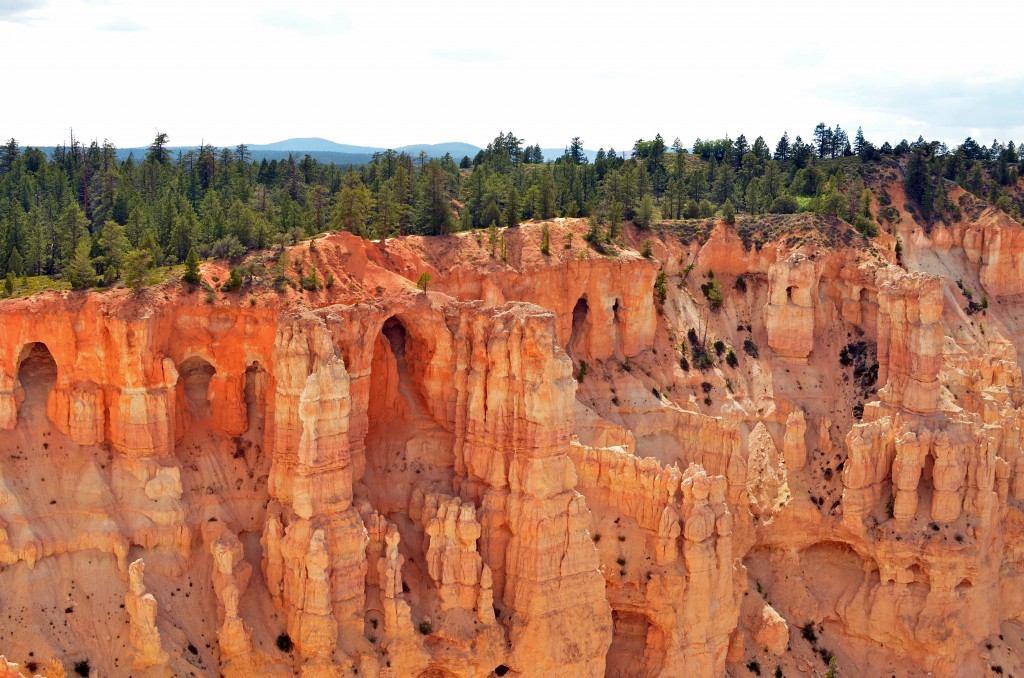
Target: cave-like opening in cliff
x=580 y=326
x=436 y=673
x=394 y=331
x=194 y=374
x=37 y=375
x=255 y=393
x=634 y=650
x=405 y=445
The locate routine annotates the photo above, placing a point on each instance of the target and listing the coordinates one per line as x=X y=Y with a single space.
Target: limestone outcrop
x=526 y=471
x=141 y=607
x=792 y=299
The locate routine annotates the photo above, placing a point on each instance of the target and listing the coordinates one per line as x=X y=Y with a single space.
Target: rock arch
x=637 y=647
x=579 y=338
x=36 y=378
x=404 y=445
x=254 y=395
x=435 y=672
x=194 y=375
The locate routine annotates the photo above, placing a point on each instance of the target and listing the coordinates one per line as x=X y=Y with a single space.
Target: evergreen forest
x=81 y=217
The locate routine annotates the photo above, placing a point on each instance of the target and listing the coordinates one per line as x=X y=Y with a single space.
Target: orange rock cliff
x=538 y=467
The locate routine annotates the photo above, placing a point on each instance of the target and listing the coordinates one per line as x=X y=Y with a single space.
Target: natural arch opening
x=255 y=392
x=580 y=326
x=37 y=375
x=633 y=652
x=789 y=294
x=405 y=446
x=194 y=375
x=436 y=673
x=394 y=331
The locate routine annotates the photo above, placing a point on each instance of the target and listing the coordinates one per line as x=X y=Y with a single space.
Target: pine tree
x=81 y=273
x=191 y=275
x=919 y=185
x=114 y=246
x=512 y=208
x=423 y=282
x=646 y=214
x=782 y=148
x=137 y=264
x=311 y=282
x=15 y=263
x=352 y=205
x=728 y=213
x=822 y=139
x=858 y=141
x=158 y=149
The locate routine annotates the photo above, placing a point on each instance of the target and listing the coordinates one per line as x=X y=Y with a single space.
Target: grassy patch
x=44 y=283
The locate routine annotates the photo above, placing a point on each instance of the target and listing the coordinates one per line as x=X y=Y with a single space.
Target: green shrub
x=284 y=642
x=311 y=282
x=713 y=293
x=661 y=287
x=865 y=226
x=234 y=281
x=425 y=627
x=784 y=204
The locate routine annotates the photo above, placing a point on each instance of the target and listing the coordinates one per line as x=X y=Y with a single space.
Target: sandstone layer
x=525 y=471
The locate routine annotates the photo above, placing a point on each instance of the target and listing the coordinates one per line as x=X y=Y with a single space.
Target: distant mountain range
x=325 y=150
x=457 y=149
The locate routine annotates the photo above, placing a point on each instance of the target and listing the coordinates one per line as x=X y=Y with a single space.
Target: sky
x=396 y=72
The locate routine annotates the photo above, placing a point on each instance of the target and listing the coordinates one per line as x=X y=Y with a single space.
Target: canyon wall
x=526 y=470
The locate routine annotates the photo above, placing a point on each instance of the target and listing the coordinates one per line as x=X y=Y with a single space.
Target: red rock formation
x=431 y=484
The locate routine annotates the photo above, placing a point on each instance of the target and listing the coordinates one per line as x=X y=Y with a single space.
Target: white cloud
x=122 y=25
x=402 y=71
x=19 y=10
x=332 y=23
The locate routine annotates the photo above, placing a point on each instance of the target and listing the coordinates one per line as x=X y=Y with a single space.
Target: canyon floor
x=767 y=448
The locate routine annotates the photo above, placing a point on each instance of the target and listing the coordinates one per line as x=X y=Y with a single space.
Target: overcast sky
x=390 y=73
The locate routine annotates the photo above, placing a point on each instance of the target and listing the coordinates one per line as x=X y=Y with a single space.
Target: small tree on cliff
x=81 y=273
x=646 y=215
x=423 y=282
x=191 y=275
x=136 y=265
x=728 y=213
